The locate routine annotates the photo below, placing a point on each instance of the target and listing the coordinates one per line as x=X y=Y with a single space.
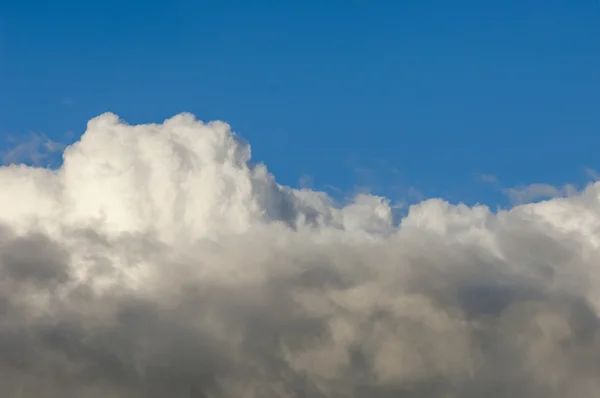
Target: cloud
x=593 y=174
x=159 y=260
x=487 y=178
x=532 y=192
x=35 y=149
x=538 y=191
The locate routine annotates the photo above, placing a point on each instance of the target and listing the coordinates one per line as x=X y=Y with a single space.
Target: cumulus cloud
x=159 y=260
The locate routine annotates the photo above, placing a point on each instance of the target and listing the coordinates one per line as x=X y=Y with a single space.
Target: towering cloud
x=159 y=261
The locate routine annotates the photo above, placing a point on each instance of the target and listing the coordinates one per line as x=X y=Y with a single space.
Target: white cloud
x=159 y=261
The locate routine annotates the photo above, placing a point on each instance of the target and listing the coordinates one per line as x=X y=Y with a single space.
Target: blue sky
x=401 y=96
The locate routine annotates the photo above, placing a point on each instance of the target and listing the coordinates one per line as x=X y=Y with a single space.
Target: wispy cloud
x=528 y=193
x=487 y=178
x=592 y=173
x=34 y=149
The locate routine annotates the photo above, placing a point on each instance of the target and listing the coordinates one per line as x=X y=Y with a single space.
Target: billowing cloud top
x=158 y=261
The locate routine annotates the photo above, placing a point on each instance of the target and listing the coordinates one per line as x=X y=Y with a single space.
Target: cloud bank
x=159 y=261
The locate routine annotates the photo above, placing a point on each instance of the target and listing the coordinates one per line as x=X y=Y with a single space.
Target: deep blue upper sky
x=389 y=94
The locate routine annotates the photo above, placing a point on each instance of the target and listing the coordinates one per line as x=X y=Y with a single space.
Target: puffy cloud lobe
x=160 y=261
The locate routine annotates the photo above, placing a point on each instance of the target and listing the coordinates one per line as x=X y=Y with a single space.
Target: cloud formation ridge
x=158 y=260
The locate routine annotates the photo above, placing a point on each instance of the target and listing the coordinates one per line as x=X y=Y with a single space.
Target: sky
x=409 y=99
x=209 y=204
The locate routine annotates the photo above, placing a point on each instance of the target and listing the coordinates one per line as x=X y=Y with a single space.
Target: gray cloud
x=133 y=273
